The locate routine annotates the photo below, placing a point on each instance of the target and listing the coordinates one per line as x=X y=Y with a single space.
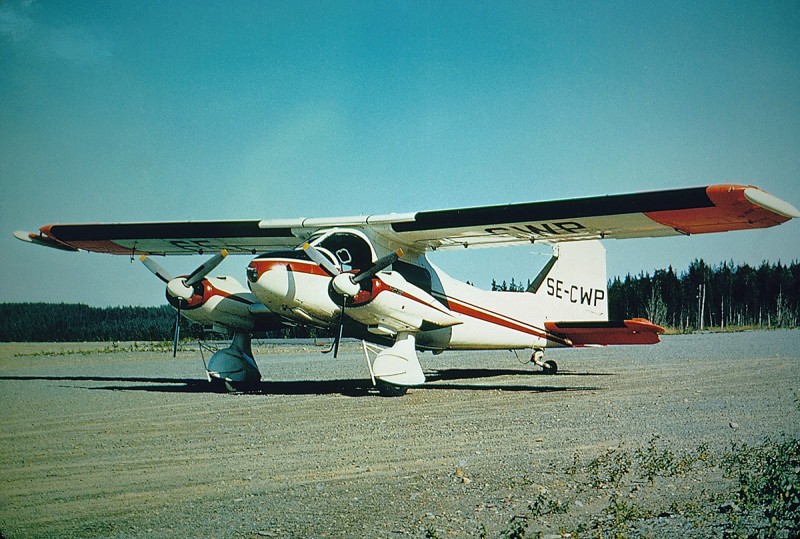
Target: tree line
x=702 y=296
x=65 y=322
x=62 y=322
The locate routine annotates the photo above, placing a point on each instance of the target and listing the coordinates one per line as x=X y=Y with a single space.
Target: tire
x=218 y=386
x=390 y=390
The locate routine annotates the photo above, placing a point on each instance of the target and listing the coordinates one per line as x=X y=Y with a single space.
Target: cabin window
x=351 y=251
x=344 y=256
x=416 y=275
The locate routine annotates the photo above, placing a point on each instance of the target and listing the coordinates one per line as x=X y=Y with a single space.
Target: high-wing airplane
x=370 y=276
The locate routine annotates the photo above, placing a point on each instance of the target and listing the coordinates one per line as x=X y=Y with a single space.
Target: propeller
x=320 y=259
x=182 y=288
x=348 y=284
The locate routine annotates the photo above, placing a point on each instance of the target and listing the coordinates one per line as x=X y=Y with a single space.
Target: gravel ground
x=105 y=442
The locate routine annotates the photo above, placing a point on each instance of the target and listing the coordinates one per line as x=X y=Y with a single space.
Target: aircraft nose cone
x=269 y=280
x=252 y=273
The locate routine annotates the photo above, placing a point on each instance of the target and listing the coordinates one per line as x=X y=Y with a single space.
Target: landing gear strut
x=548 y=367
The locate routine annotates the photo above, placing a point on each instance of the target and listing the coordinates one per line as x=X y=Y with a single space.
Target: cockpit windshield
x=348 y=250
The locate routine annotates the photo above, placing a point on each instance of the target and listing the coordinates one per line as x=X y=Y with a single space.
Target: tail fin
x=572 y=285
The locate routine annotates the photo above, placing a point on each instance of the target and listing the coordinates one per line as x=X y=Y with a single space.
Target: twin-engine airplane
x=370 y=277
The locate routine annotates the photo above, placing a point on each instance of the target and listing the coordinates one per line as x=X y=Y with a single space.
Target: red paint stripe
x=499 y=320
x=292 y=264
x=102 y=246
x=426 y=304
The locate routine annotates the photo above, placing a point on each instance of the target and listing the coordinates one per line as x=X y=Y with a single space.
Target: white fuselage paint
x=454 y=315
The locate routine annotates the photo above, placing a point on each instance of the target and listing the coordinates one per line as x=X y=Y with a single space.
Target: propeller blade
x=320 y=259
x=341 y=329
x=197 y=275
x=379 y=265
x=177 y=332
x=156 y=269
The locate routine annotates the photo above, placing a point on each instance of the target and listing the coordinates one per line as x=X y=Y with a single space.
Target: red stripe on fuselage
x=378 y=286
x=264 y=265
x=480 y=313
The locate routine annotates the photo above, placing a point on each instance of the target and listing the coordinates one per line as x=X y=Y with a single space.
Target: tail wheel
x=548 y=367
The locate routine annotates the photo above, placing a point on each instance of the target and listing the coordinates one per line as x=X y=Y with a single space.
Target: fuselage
x=414 y=296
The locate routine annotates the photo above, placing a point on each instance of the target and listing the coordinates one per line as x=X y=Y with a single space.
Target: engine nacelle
x=292 y=286
x=393 y=302
x=222 y=301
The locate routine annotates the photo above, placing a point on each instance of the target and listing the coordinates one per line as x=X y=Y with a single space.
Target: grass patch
x=756 y=493
x=154 y=346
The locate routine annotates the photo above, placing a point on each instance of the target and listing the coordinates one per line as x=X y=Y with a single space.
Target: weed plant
x=761 y=499
x=154 y=346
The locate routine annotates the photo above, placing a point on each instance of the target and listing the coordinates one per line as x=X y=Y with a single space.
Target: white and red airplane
x=370 y=277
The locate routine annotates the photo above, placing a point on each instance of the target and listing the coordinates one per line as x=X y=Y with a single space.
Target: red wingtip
x=731 y=210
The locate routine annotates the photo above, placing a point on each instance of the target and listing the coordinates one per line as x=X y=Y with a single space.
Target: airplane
x=370 y=277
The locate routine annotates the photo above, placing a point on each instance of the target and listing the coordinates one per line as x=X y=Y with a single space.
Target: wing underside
x=698 y=210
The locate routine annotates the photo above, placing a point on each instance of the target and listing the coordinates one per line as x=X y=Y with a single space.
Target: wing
x=699 y=210
x=163 y=238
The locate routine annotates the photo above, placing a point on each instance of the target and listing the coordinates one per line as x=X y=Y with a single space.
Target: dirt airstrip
x=104 y=441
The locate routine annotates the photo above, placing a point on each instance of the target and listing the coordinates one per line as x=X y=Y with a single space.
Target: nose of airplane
x=273 y=277
x=293 y=286
x=268 y=279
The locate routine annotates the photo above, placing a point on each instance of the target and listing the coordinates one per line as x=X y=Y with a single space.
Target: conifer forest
x=728 y=295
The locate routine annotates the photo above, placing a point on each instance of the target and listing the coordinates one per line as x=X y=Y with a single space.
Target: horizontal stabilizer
x=636 y=331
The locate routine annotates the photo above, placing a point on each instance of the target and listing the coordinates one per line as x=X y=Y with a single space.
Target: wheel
x=224 y=386
x=241 y=387
x=550 y=367
x=218 y=386
x=390 y=390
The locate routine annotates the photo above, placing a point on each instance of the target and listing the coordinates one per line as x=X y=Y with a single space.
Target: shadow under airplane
x=437 y=380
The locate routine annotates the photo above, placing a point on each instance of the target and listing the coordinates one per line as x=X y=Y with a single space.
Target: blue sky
x=130 y=111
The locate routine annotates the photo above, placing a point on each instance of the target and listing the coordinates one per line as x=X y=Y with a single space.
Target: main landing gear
x=548 y=367
x=234 y=368
x=395 y=369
